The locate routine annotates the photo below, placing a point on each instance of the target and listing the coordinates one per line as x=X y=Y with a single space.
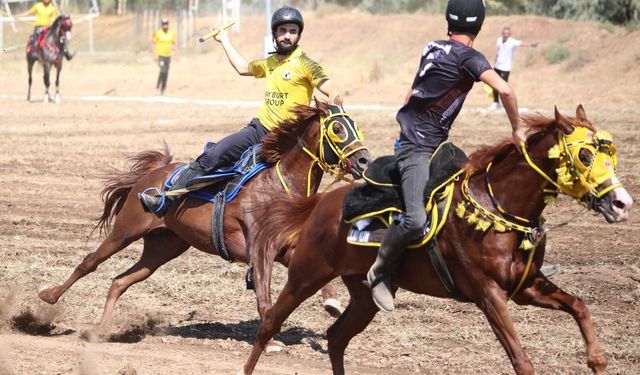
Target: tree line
x=613 y=11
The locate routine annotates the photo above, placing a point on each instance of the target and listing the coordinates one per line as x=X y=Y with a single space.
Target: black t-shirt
x=447 y=72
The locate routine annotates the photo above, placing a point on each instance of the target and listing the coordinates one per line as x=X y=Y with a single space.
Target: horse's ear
x=337 y=100
x=580 y=114
x=563 y=123
x=321 y=105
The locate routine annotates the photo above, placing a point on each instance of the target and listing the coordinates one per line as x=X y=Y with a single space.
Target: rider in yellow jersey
x=45 y=14
x=290 y=76
x=164 y=41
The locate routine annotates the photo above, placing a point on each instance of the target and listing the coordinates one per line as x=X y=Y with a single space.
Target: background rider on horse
x=447 y=71
x=45 y=13
x=291 y=77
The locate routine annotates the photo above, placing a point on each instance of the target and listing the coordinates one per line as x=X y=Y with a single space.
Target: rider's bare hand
x=222 y=37
x=519 y=135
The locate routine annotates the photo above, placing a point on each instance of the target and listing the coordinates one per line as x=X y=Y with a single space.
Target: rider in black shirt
x=448 y=70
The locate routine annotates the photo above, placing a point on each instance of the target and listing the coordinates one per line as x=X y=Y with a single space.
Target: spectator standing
x=164 y=41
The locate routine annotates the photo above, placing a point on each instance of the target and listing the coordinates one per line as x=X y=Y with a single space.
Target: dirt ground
x=194 y=315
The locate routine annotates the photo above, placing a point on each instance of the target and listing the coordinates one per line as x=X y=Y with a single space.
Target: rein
x=338 y=170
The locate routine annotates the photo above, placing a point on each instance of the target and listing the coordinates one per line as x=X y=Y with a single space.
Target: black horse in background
x=48 y=48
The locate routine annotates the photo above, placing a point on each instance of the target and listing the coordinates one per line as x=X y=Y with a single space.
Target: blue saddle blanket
x=248 y=166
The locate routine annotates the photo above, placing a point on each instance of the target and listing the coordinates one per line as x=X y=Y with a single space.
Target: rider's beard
x=284 y=47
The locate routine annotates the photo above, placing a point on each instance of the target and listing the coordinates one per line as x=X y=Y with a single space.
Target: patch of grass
x=555 y=53
x=633 y=62
x=566 y=37
x=608 y=27
x=580 y=60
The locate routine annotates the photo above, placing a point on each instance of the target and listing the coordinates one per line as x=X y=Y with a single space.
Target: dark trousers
x=413 y=164
x=505 y=76
x=229 y=149
x=164 y=62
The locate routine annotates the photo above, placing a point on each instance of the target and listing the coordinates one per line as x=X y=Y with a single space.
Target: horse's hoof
x=333 y=307
x=273 y=346
x=46 y=294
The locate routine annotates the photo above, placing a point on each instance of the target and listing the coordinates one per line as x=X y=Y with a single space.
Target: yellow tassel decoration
x=526 y=244
x=482 y=225
x=498 y=227
x=554 y=152
x=461 y=209
x=473 y=218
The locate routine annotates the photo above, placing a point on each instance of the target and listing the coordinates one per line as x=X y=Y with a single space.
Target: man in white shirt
x=506 y=45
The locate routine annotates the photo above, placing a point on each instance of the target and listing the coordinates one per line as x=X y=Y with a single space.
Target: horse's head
x=341 y=140
x=586 y=171
x=63 y=25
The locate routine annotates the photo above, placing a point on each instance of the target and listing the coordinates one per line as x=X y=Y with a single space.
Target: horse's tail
x=118 y=183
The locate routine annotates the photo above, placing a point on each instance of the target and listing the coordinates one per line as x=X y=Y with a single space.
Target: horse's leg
x=301 y=284
x=130 y=224
x=331 y=303
x=58 y=69
x=493 y=302
x=354 y=320
x=46 y=67
x=30 y=63
x=159 y=249
x=544 y=293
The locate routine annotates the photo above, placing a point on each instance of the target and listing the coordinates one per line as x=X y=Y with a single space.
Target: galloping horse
x=499 y=191
x=48 y=49
x=322 y=139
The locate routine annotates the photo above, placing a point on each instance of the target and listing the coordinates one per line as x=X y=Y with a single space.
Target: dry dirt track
x=204 y=320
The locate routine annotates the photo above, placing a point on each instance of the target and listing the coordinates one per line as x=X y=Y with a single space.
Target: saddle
x=37 y=41
x=372 y=207
x=226 y=181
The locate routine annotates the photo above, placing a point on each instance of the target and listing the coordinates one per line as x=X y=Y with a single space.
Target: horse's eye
x=337 y=128
x=585 y=156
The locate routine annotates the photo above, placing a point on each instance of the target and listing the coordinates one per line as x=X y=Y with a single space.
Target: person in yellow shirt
x=291 y=77
x=164 y=42
x=45 y=14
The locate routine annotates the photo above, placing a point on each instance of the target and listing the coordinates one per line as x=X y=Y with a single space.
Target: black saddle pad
x=382 y=190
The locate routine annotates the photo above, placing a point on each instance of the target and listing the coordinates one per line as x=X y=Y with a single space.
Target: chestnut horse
x=49 y=53
x=487 y=265
x=318 y=140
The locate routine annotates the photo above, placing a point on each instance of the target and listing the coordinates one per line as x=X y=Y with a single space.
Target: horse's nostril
x=363 y=161
x=618 y=204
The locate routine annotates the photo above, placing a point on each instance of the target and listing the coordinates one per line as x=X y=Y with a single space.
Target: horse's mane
x=55 y=24
x=280 y=140
x=537 y=126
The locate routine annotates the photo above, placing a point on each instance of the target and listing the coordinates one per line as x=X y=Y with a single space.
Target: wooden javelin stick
x=213 y=33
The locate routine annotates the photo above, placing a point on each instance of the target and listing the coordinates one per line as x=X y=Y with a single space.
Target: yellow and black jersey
x=290 y=82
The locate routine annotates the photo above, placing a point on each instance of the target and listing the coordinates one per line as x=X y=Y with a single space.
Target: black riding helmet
x=465 y=16
x=286 y=15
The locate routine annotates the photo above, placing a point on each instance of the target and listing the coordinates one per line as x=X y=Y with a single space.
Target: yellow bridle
x=331 y=144
x=574 y=178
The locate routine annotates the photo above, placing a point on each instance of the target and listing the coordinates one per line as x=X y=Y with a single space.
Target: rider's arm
x=29 y=12
x=509 y=101
x=237 y=61
x=326 y=87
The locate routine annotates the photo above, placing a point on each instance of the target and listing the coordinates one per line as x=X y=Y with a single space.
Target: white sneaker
x=494 y=106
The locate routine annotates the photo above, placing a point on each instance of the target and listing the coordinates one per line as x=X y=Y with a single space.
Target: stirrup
x=158 y=209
